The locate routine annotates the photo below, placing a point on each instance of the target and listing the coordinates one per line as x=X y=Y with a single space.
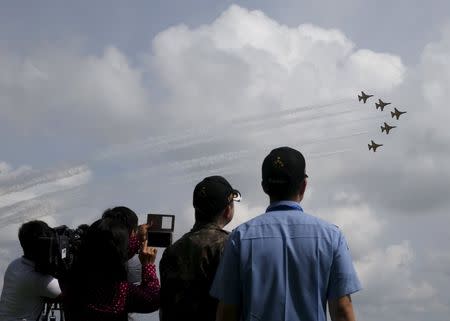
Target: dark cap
x=284 y=166
x=213 y=194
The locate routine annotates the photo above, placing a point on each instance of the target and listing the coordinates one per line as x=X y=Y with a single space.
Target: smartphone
x=160 y=229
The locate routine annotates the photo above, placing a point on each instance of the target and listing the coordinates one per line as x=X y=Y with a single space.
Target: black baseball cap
x=213 y=194
x=283 y=166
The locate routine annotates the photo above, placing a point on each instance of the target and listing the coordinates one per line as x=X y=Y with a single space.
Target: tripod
x=48 y=312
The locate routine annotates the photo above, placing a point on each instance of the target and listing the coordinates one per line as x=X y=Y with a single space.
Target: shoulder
x=15 y=264
x=21 y=268
x=287 y=219
x=322 y=223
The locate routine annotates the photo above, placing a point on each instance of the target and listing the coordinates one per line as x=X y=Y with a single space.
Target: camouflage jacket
x=187 y=270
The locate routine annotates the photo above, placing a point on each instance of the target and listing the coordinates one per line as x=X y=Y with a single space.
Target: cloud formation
x=230 y=91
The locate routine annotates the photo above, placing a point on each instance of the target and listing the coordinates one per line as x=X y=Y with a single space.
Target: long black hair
x=102 y=259
x=123 y=214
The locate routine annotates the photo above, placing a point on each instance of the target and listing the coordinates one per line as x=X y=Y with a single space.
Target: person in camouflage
x=187 y=268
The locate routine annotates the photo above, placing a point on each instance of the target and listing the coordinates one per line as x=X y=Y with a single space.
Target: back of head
x=29 y=235
x=211 y=196
x=103 y=253
x=124 y=215
x=283 y=172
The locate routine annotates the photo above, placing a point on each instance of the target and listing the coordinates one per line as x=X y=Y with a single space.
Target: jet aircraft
x=397 y=113
x=381 y=104
x=387 y=128
x=363 y=97
x=374 y=146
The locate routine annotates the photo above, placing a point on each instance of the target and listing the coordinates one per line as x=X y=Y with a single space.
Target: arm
x=145 y=297
x=136 y=239
x=46 y=286
x=227 y=285
x=341 y=309
x=227 y=312
x=343 y=282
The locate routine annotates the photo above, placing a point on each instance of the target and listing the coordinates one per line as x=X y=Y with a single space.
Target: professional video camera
x=58 y=251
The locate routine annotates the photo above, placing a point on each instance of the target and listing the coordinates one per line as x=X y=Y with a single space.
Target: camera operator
x=24 y=290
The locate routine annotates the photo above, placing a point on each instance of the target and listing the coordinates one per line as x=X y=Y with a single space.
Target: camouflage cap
x=213 y=194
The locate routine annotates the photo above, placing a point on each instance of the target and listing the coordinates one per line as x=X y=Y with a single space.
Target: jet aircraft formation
x=386 y=128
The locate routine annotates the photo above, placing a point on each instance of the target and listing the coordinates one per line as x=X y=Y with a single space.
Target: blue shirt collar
x=294 y=205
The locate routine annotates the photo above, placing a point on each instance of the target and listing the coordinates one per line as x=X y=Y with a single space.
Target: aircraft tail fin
x=370 y=147
x=382 y=129
x=359 y=98
x=392 y=114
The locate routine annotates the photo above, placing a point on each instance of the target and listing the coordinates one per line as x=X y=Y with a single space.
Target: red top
x=115 y=302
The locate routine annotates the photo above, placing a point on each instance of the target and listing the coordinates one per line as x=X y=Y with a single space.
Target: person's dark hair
x=282 y=192
x=124 y=215
x=102 y=259
x=29 y=233
x=203 y=217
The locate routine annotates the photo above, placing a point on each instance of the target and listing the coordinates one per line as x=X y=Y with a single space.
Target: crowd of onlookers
x=282 y=265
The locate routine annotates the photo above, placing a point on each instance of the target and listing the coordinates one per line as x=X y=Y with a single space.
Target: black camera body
x=58 y=251
x=160 y=229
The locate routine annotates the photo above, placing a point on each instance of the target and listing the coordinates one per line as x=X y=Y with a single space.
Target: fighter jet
x=397 y=113
x=363 y=97
x=387 y=128
x=380 y=104
x=374 y=146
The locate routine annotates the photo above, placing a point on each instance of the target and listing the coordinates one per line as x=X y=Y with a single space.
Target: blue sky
x=107 y=103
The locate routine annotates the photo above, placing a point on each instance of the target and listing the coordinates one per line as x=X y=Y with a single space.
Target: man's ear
x=264 y=187
x=228 y=214
x=303 y=187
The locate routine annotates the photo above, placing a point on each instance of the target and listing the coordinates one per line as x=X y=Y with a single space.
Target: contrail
x=237 y=168
x=320 y=155
x=290 y=111
x=209 y=137
x=8 y=176
x=192 y=164
x=200 y=174
x=49 y=177
x=211 y=160
x=45 y=185
x=27 y=210
x=171 y=142
x=208 y=160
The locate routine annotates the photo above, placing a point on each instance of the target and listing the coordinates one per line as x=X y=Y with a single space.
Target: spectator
x=285 y=264
x=97 y=287
x=187 y=267
x=137 y=234
x=25 y=290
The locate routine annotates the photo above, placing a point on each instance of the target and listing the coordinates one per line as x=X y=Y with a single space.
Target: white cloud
x=62 y=93
x=246 y=62
x=248 y=83
x=359 y=223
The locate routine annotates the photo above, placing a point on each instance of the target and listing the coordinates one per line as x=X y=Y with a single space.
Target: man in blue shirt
x=285 y=264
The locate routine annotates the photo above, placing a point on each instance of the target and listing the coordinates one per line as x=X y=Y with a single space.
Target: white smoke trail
x=42 y=179
x=327 y=154
x=289 y=111
x=25 y=211
x=205 y=134
x=46 y=184
x=253 y=128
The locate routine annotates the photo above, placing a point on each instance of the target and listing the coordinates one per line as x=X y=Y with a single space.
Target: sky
x=107 y=103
